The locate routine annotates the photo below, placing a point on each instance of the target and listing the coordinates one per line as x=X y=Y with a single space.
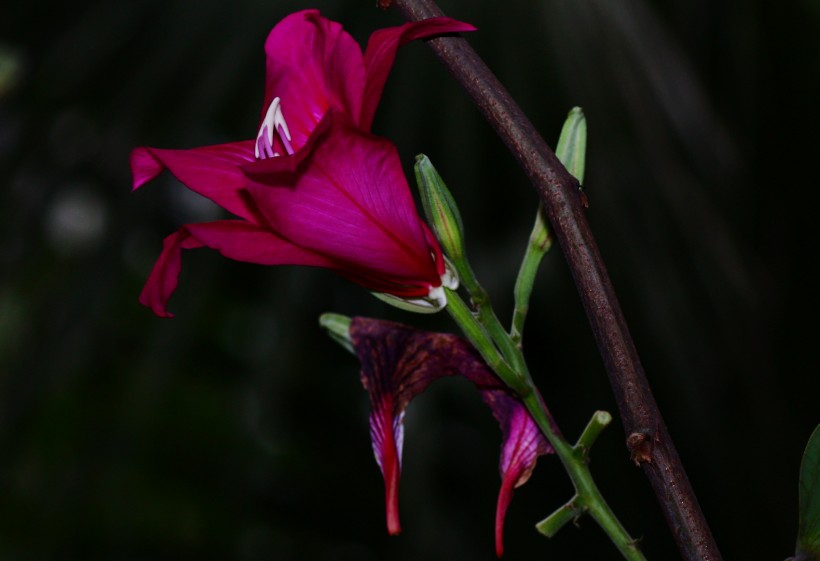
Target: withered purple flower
x=400 y=362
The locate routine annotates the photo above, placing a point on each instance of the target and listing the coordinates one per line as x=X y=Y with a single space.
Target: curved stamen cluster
x=273 y=123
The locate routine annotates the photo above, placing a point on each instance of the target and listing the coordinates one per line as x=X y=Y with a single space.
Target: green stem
x=476 y=332
x=599 y=421
x=539 y=244
x=485 y=315
x=558 y=519
x=588 y=496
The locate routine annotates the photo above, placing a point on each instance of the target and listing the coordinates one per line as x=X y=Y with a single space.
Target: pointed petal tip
x=393 y=525
x=158 y=308
x=392 y=473
x=152 y=297
x=164 y=276
x=391 y=500
x=144 y=167
x=504 y=497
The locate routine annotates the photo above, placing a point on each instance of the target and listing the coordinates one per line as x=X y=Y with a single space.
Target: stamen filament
x=273 y=123
x=283 y=134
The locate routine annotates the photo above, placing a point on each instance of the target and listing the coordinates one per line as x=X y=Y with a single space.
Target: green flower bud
x=441 y=209
x=572 y=144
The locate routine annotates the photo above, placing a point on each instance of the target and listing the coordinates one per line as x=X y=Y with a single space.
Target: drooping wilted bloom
x=314 y=188
x=400 y=362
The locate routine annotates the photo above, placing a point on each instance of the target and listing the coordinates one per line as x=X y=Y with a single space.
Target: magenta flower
x=400 y=362
x=337 y=198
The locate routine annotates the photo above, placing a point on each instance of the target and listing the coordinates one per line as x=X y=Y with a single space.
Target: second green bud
x=441 y=210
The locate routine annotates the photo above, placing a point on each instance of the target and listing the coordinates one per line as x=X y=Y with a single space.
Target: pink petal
x=312 y=64
x=351 y=202
x=144 y=167
x=381 y=52
x=234 y=239
x=212 y=171
x=165 y=275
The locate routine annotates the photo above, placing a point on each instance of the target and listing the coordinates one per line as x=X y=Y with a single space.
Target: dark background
x=238 y=430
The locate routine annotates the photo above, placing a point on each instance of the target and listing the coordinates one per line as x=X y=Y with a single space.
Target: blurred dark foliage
x=238 y=430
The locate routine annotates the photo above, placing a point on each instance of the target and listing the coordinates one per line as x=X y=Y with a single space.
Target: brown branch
x=648 y=440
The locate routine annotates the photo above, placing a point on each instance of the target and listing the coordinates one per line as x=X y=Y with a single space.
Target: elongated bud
x=440 y=209
x=572 y=144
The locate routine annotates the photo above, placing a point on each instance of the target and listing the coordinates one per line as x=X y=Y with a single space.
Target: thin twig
x=648 y=439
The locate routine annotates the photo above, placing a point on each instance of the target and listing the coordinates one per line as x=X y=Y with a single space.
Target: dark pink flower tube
x=314 y=188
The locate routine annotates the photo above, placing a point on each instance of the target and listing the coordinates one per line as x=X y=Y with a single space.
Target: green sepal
x=572 y=144
x=429 y=305
x=338 y=328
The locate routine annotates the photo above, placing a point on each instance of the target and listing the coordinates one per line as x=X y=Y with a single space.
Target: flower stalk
x=539 y=244
x=558 y=519
x=502 y=350
x=598 y=422
x=474 y=327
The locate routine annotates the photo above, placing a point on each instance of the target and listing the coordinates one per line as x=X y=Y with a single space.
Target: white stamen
x=274 y=122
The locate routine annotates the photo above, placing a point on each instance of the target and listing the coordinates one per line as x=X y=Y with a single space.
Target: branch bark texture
x=648 y=440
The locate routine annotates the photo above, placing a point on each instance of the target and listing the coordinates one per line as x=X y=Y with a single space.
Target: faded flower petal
x=400 y=362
